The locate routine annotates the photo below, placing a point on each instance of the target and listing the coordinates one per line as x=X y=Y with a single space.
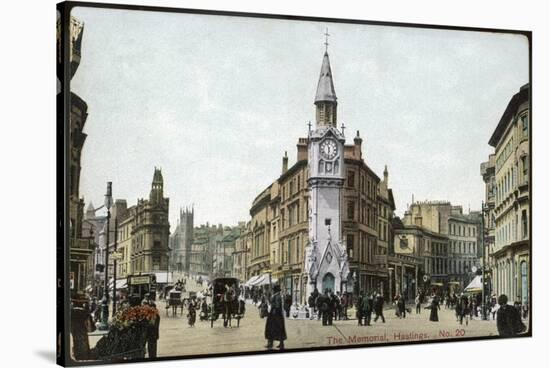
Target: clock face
x=329 y=149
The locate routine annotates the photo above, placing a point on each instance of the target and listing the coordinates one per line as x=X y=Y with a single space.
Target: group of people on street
x=328 y=306
x=367 y=304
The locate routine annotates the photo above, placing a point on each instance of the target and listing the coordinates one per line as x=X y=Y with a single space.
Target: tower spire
x=325 y=97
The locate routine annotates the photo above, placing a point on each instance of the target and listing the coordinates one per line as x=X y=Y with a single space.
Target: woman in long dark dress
x=275 y=324
x=434 y=317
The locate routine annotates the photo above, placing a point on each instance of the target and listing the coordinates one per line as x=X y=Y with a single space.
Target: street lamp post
x=390 y=297
x=115 y=266
x=104 y=325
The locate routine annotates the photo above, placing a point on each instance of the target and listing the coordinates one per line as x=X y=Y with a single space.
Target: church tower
x=156 y=194
x=326 y=258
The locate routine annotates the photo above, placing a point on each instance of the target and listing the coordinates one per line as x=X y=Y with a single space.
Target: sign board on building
x=139 y=280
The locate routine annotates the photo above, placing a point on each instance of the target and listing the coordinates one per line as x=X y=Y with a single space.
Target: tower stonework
x=326 y=263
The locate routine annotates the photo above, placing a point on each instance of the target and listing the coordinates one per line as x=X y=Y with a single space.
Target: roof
x=325 y=87
x=512 y=108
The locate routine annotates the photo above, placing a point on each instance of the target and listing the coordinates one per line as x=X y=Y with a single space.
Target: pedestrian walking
x=417 y=303
x=345 y=303
x=379 y=308
x=191 y=312
x=332 y=306
x=153 y=330
x=465 y=309
x=311 y=305
x=434 y=306
x=367 y=305
x=275 y=324
x=337 y=300
x=401 y=307
x=287 y=304
x=358 y=307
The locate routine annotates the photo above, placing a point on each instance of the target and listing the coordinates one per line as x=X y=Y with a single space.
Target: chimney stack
x=285 y=162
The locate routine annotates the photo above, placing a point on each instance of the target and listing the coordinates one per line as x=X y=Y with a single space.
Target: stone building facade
x=201 y=258
x=151 y=230
x=464 y=243
x=487 y=171
x=224 y=250
x=80 y=248
x=445 y=240
x=181 y=241
x=242 y=251
x=262 y=217
x=511 y=254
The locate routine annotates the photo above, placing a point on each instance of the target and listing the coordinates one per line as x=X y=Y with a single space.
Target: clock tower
x=326 y=263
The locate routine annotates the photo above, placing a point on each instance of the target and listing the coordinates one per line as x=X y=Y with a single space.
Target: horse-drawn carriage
x=226 y=301
x=174 y=301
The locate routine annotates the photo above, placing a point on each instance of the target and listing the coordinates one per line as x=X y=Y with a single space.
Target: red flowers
x=128 y=317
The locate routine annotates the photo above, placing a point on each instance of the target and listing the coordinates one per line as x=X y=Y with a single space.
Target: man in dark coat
x=337 y=299
x=81 y=324
x=509 y=322
x=152 y=330
x=358 y=308
x=325 y=309
x=401 y=307
x=367 y=305
x=311 y=305
x=275 y=324
x=315 y=294
x=288 y=304
x=379 y=308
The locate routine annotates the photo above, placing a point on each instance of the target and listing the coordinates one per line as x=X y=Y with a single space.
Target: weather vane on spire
x=326 y=40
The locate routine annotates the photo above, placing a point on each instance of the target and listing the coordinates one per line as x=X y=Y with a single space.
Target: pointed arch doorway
x=328 y=281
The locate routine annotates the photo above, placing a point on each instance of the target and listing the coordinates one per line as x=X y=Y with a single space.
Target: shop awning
x=474 y=286
x=260 y=280
x=251 y=280
x=120 y=284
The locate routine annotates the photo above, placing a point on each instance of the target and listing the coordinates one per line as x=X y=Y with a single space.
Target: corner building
x=511 y=253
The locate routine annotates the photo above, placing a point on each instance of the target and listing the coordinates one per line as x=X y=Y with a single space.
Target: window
x=525 y=125
x=351 y=179
x=525 y=168
x=349 y=245
x=351 y=210
x=524 y=225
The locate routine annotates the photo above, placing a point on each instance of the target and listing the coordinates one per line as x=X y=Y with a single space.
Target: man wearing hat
x=275 y=324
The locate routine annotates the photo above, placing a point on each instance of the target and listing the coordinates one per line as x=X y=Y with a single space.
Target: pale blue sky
x=215 y=101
